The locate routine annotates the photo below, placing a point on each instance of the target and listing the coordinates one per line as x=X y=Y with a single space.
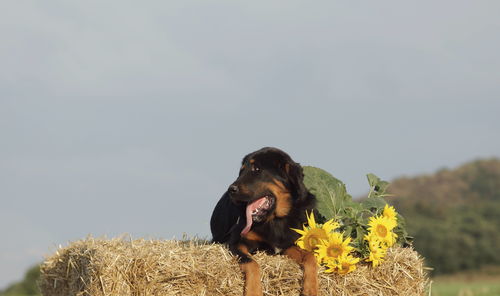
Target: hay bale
x=151 y=267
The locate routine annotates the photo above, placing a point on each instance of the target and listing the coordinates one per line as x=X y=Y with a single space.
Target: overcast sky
x=132 y=117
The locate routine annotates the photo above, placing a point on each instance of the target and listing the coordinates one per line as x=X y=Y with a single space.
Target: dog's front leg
x=310 y=267
x=251 y=271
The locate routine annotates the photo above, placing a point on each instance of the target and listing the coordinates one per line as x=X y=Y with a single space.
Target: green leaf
x=374 y=204
x=348 y=231
x=377 y=186
x=403 y=237
x=330 y=192
x=360 y=232
x=372 y=179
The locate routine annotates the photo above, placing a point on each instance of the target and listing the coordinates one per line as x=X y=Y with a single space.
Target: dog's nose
x=233 y=189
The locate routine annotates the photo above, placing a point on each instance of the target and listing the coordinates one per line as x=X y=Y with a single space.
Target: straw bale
x=119 y=267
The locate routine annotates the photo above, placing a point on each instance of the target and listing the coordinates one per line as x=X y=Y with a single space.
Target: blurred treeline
x=454 y=215
x=26 y=287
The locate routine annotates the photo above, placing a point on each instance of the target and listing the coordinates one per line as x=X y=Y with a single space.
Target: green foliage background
x=26 y=287
x=454 y=215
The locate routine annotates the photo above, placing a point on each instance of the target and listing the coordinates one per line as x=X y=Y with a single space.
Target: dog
x=258 y=211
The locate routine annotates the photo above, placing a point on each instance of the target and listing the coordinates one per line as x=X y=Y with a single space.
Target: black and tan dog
x=258 y=210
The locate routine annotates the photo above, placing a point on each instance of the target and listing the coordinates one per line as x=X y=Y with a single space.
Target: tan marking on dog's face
x=283 y=198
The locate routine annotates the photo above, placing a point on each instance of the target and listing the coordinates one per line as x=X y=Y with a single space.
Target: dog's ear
x=245 y=159
x=295 y=176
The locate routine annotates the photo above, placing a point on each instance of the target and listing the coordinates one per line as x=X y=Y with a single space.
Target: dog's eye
x=255 y=169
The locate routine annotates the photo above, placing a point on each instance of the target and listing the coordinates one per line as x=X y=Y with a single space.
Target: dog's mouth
x=260 y=208
x=257 y=210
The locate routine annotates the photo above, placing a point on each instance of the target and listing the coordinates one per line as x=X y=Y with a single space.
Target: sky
x=132 y=117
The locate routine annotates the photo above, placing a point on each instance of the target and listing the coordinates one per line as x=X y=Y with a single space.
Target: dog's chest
x=275 y=237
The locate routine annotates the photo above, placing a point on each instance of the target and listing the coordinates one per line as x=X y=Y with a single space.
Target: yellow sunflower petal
x=311 y=239
x=382 y=227
x=334 y=247
x=310 y=220
x=302 y=232
x=330 y=226
x=347 y=264
x=390 y=212
x=377 y=250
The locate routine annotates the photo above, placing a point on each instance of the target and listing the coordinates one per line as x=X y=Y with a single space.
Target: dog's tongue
x=250 y=208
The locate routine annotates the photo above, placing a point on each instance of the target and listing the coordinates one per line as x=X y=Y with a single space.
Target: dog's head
x=269 y=184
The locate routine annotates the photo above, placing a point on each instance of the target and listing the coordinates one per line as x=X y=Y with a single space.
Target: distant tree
x=26 y=287
x=454 y=215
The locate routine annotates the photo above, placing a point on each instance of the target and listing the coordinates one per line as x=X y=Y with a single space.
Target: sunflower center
x=334 y=251
x=313 y=238
x=313 y=241
x=381 y=230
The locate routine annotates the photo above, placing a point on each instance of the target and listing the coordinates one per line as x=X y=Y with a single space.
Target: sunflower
x=330 y=226
x=390 y=213
x=313 y=234
x=347 y=264
x=377 y=250
x=382 y=227
x=334 y=247
x=341 y=265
